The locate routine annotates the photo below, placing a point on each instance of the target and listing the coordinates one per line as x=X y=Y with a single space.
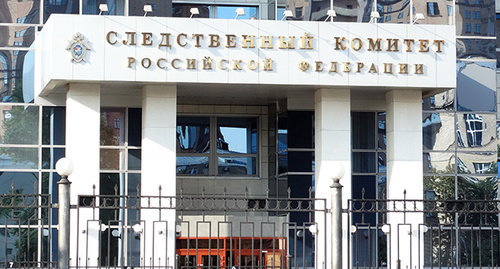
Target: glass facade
x=460 y=148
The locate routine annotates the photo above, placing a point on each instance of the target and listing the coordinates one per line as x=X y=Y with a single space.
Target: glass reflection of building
x=459 y=126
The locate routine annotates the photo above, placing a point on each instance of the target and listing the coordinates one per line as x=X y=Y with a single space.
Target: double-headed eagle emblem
x=78 y=48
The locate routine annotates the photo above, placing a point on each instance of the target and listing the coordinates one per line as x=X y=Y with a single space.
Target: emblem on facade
x=78 y=48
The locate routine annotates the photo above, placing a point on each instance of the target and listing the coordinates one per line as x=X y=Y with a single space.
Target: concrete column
x=82 y=147
x=159 y=109
x=333 y=144
x=404 y=174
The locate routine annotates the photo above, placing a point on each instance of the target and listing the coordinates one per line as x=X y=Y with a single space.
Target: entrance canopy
x=120 y=51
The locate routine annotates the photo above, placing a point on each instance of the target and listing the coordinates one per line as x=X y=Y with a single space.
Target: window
x=298 y=12
x=432 y=9
x=450 y=10
x=400 y=15
x=223 y=146
x=20 y=33
x=474 y=129
x=388 y=18
x=467 y=14
x=468 y=27
x=477 y=28
x=476 y=14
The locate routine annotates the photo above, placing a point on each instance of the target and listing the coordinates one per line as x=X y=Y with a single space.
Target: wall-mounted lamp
x=330 y=14
x=194 y=11
x=103 y=8
x=286 y=14
x=240 y=12
x=147 y=9
x=418 y=16
x=374 y=16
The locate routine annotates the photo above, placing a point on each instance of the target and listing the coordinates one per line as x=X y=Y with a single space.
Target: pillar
x=82 y=147
x=404 y=173
x=333 y=144
x=158 y=161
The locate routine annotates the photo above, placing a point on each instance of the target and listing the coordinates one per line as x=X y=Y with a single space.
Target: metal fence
x=227 y=231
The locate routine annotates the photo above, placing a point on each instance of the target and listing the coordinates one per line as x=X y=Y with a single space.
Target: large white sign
x=178 y=50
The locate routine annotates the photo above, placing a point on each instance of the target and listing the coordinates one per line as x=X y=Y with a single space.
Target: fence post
x=337 y=216
x=64 y=168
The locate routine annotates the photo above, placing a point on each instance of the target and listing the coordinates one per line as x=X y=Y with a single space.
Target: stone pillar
x=159 y=109
x=404 y=174
x=82 y=147
x=333 y=144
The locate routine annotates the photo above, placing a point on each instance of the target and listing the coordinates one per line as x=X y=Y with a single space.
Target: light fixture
x=147 y=9
x=287 y=13
x=64 y=167
x=386 y=229
x=418 y=16
x=137 y=228
x=374 y=16
x=313 y=229
x=103 y=8
x=300 y=234
x=353 y=229
x=240 y=12
x=330 y=14
x=194 y=11
x=116 y=233
x=338 y=171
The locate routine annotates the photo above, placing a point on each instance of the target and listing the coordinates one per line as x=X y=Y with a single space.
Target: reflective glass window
x=477 y=131
x=193 y=134
x=477 y=188
x=60 y=7
x=438 y=131
x=444 y=100
x=476 y=90
x=439 y=162
x=381 y=136
x=184 y=10
x=192 y=165
x=236 y=135
x=115 y=7
x=19 y=124
x=467 y=14
x=112 y=127
x=363 y=162
x=22 y=12
x=363 y=130
x=18 y=36
x=439 y=187
x=110 y=159
x=160 y=8
x=217 y=145
x=17 y=76
x=19 y=182
x=53 y=125
x=229 y=12
x=231 y=166
x=477 y=163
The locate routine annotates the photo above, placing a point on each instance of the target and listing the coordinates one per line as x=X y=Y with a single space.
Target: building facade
x=402 y=93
